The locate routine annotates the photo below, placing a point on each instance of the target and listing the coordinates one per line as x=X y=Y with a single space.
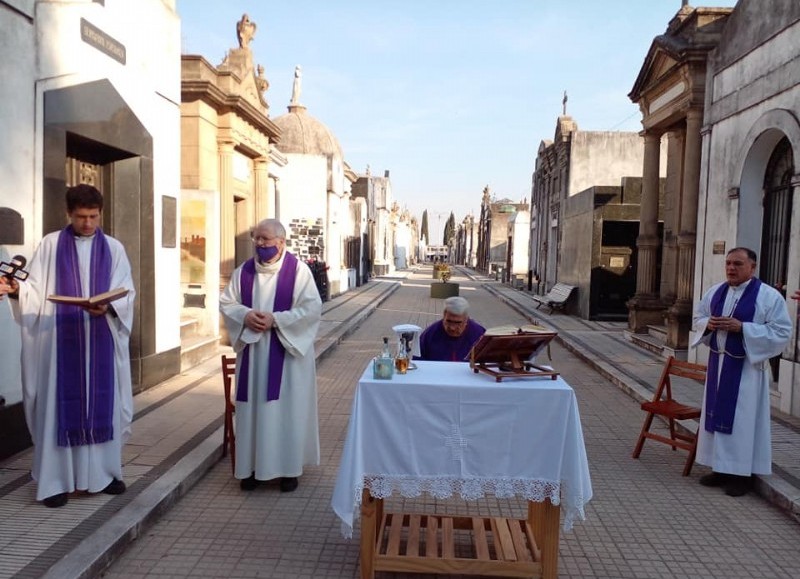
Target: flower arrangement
x=439 y=269
x=446 y=289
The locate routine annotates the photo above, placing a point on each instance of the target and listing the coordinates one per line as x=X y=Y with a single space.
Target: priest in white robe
x=271 y=309
x=76 y=376
x=744 y=322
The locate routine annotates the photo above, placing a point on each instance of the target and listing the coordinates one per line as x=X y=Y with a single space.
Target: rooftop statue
x=261 y=81
x=296 y=85
x=245 y=31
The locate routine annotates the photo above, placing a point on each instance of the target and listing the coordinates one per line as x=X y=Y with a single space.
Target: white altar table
x=447 y=431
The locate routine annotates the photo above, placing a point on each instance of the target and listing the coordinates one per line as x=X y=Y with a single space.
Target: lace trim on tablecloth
x=383 y=486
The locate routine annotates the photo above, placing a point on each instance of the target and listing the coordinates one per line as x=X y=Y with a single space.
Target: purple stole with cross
x=283 y=301
x=84 y=404
x=722 y=388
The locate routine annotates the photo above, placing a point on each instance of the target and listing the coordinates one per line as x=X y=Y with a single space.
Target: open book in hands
x=96 y=300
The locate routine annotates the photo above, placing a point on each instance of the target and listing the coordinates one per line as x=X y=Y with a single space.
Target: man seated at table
x=451 y=338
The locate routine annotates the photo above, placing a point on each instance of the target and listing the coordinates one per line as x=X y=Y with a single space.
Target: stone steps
x=196 y=348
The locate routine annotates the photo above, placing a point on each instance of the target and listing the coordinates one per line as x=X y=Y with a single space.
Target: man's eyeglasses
x=259 y=240
x=452 y=322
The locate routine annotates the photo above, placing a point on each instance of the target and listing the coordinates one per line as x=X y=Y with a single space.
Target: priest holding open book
x=76 y=365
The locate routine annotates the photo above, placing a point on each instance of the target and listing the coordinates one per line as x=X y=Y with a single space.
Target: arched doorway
x=776 y=225
x=777 y=220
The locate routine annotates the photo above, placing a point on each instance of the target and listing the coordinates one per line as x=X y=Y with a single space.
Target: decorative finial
x=296 y=88
x=245 y=31
x=564 y=104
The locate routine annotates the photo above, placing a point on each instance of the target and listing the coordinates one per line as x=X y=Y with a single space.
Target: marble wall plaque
x=169 y=221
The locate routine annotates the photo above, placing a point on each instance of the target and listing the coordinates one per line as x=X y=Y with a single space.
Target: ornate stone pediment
x=239 y=61
x=663 y=65
x=672 y=76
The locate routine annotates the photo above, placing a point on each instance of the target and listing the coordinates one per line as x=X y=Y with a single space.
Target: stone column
x=227 y=223
x=645 y=307
x=680 y=314
x=261 y=187
x=273 y=201
x=671 y=216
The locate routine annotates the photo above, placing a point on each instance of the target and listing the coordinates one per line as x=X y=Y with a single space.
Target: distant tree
x=449 y=229
x=423 y=230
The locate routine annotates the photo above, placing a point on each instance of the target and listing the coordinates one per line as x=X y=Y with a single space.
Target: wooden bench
x=556 y=298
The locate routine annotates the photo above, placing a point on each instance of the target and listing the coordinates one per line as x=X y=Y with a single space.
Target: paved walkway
x=603 y=346
x=644 y=521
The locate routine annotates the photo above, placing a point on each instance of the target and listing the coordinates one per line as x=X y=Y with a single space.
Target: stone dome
x=303 y=134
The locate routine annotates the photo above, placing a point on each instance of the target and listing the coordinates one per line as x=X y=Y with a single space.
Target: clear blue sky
x=448 y=95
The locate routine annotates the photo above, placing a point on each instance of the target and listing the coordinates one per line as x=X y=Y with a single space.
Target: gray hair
x=274 y=226
x=456 y=305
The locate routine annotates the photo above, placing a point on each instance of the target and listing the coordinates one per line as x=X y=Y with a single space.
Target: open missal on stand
x=507 y=351
x=96 y=300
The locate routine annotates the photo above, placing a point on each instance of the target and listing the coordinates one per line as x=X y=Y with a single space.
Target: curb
x=326 y=344
x=93 y=555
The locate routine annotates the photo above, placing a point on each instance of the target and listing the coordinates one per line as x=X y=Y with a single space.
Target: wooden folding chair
x=664 y=405
x=228 y=436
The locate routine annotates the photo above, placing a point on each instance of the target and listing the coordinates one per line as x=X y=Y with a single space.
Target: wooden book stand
x=507 y=351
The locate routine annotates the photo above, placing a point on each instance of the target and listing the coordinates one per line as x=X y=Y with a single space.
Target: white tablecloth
x=445 y=430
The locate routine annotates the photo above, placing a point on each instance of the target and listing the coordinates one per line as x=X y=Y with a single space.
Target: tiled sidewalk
x=637 y=371
x=645 y=520
x=176 y=440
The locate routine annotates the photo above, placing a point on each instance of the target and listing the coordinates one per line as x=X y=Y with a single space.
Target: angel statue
x=245 y=31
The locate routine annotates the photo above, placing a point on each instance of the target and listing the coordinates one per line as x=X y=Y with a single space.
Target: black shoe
x=249 y=483
x=288 y=484
x=714 y=479
x=115 y=487
x=56 y=501
x=738 y=485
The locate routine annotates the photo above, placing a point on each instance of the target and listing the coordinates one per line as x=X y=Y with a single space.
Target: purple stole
x=84 y=407
x=722 y=388
x=283 y=301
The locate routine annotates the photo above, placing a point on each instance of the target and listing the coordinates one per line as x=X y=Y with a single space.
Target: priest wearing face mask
x=271 y=309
